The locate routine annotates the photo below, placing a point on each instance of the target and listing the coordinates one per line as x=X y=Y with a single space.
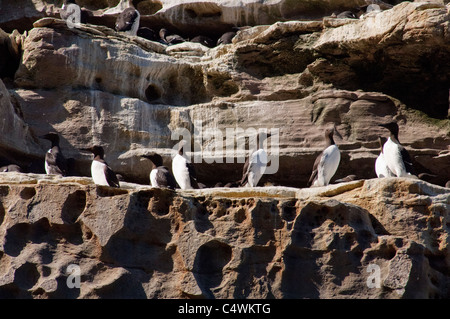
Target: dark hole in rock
x=27 y=193
x=73 y=206
x=26 y=276
x=152 y=93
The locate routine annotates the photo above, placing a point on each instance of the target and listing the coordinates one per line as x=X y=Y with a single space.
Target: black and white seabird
x=169 y=38
x=184 y=171
x=226 y=38
x=101 y=173
x=128 y=20
x=71 y=13
x=148 y=34
x=11 y=168
x=55 y=162
x=396 y=156
x=160 y=176
x=326 y=164
x=204 y=40
x=344 y=15
x=255 y=164
x=381 y=168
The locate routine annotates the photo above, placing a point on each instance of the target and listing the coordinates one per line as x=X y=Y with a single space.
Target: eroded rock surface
x=271 y=242
x=94 y=85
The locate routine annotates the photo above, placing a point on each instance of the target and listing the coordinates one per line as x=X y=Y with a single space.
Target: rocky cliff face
x=93 y=85
x=378 y=238
x=291 y=68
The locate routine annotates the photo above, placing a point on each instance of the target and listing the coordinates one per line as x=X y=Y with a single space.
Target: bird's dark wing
x=192 y=175
x=407 y=160
x=111 y=177
x=174 y=39
x=126 y=19
x=57 y=161
x=315 y=170
x=245 y=171
x=165 y=178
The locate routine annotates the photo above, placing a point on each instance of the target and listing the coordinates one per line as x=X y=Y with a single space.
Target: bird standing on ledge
x=381 y=168
x=326 y=164
x=128 y=20
x=160 y=176
x=55 y=162
x=101 y=173
x=256 y=164
x=183 y=170
x=396 y=156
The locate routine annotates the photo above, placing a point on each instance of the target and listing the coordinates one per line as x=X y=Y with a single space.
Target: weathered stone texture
x=272 y=242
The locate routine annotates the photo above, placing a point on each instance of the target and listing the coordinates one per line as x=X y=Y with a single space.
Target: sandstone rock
x=94 y=85
x=277 y=242
x=130 y=101
x=17 y=140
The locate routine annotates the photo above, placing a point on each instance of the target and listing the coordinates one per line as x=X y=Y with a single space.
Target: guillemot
x=183 y=170
x=226 y=38
x=101 y=173
x=381 y=168
x=160 y=176
x=128 y=20
x=11 y=168
x=71 y=13
x=168 y=38
x=326 y=164
x=255 y=164
x=55 y=162
x=396 y=156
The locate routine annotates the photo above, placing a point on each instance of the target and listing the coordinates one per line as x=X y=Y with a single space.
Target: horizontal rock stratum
x=377 y=238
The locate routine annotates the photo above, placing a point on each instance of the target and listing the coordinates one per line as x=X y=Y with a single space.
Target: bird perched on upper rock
x=183 y=170
x=344 y=15
x=397 y=157
x=204 y=40
x=255 y=164
x=326 y=164
x=169 y=38
x=128 y=20
x=226 y=38
x=160 y=176
x=71 y=13
x=381 y=168
x=148 y=34
x=11 y=168
x=55 y=162
x=101 y=173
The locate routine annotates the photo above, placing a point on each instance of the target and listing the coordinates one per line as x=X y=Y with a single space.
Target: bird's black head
x=392 y=127
x=52 y=137
x=155 y=158
x=96 y=150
